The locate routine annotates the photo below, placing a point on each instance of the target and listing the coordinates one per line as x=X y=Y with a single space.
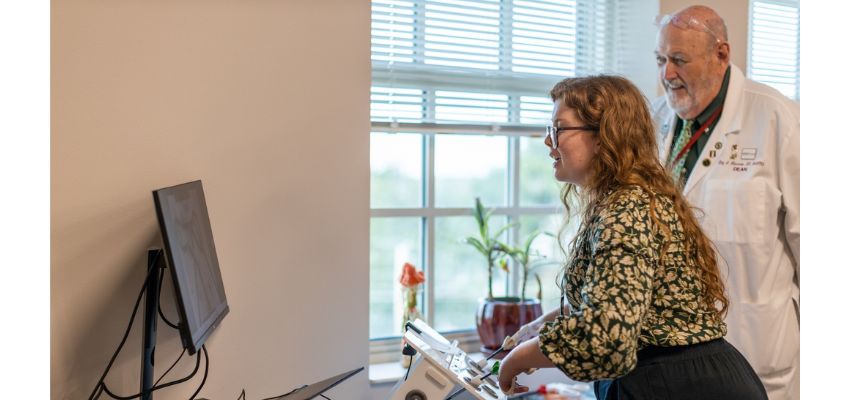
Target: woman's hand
x=509 y=369
x=521 y=359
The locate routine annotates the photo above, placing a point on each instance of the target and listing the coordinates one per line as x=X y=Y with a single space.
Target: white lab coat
x=750 y=195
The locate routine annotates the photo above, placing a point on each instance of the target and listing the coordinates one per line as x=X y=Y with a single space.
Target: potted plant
x=529 y=261
x=499 y=317
x=486 y=243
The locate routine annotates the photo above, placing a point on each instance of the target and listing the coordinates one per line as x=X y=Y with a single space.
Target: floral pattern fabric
x=623 y=295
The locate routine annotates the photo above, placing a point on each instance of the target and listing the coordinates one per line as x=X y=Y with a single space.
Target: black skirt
x=704 y=371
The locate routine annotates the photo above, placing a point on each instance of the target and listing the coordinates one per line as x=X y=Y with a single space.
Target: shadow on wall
x=102 y=325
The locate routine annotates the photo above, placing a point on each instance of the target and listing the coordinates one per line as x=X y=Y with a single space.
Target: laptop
x=313 y=390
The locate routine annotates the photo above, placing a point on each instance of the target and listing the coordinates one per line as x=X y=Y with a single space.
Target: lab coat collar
x=729 y=123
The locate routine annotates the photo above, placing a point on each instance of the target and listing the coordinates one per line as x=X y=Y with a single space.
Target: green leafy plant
x=529 y=261
x=487 y=243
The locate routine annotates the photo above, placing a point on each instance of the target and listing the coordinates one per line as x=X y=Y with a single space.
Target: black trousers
x=704 y=371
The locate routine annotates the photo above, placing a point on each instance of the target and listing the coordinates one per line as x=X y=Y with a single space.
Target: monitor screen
x=191 y=256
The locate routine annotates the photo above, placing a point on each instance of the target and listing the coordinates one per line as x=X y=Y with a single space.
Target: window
x=458 y=106
x=775 y=45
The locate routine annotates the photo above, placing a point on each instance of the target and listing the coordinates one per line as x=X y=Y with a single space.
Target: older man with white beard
x=734 y=147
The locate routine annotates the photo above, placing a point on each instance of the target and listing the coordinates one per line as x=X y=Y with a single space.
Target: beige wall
x=268 y=103
x=736 y=14
x=147 y=94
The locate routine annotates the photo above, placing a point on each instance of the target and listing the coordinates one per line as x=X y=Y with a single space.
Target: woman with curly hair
x=645 y=300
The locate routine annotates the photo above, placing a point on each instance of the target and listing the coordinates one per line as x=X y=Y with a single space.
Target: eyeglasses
x=685 y=23
x=554 y=131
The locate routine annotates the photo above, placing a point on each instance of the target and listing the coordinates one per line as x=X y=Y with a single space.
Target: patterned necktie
x=681 y=141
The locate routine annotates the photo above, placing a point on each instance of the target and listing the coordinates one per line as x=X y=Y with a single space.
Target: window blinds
x=775 y=45
x=480 y=62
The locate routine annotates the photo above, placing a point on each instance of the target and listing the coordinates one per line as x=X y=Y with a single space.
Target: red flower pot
x=500 y=317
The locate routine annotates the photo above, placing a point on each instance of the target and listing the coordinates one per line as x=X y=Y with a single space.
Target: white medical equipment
x=441 y=368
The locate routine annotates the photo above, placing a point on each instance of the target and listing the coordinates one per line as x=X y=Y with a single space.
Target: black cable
x=171 y=367
x=324 y=396
x=159 y=305
x=408 y=367
x=164 y=385
x=206 y=370
x=408 y=350
x=129 y=326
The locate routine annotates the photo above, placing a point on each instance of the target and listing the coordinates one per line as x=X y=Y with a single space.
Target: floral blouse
x=623 y=296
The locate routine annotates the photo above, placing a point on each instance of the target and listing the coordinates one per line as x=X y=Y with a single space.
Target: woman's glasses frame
x=553 y=131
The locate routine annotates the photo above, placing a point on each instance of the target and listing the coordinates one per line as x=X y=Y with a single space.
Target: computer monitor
x=191 y=256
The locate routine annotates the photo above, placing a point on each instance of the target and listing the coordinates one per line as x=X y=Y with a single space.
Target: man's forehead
x=671 y=39
x=671 y=51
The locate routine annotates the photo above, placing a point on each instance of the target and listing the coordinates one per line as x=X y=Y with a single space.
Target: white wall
x=268 y=103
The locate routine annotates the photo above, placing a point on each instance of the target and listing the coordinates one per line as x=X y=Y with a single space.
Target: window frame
x=593 y=41
x=384 y=349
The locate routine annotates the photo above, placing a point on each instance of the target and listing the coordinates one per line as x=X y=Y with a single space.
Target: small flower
x=410 y=281
x=410 y=277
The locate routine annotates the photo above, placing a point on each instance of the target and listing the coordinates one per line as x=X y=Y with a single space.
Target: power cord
x=101 y=386
x=164 y=385
x=409 y=351
x=159 y=306
x=206 y=371
x=171 y=367
x=100 y=382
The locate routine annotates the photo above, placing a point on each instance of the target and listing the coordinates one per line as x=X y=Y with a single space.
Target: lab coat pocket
x=735 y=210
x=769 y=336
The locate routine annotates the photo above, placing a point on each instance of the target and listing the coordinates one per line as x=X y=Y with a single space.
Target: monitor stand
x=156 y=262
x=156 y=265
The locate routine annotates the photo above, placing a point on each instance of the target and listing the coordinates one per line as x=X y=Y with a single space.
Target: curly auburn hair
x=627 y=155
